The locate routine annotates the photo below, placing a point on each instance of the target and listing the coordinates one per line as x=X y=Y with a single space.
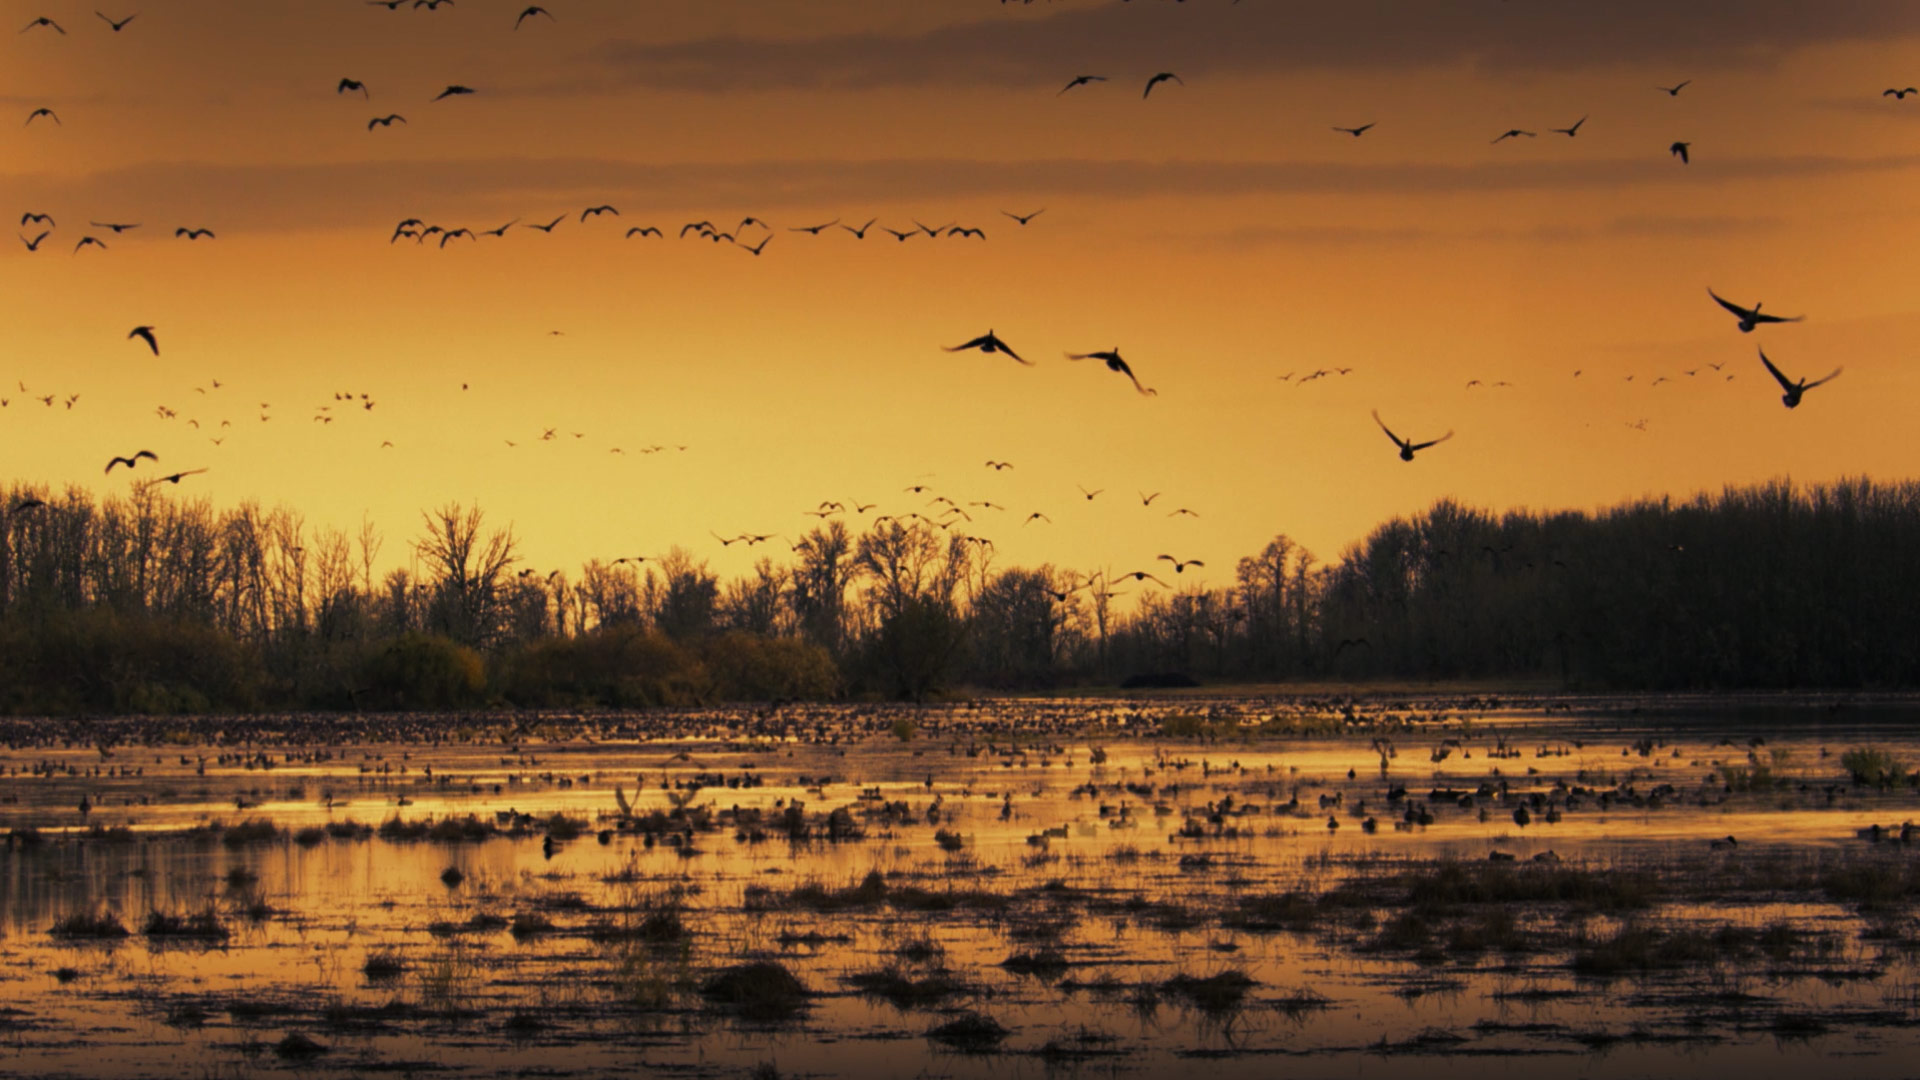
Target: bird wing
x=1828 y=379
x=1433 y=442
x=1730 y=305
x=1785 y=383
x=1383 y=427
x=1759 y=318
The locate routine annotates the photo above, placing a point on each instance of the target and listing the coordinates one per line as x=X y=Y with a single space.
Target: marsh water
x=1326 y=887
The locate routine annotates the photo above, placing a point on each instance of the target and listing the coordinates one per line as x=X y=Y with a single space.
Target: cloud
x=372 y=193
x=1265 y=38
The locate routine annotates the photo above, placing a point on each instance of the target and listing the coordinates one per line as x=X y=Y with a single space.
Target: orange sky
x=1219 y=233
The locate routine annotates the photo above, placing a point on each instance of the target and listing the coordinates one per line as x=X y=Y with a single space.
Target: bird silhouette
x=1356 y=132
x=1407 y=448
x=1750 y=317
x=175 y=478
x=999 y=466
x=117 y=228
x=500 y=232
x=89 y=241
x=43 y=111
x=1795 y=389
x=530 y=13
x=1674 y=91
x=1513 y=133
x=385 y=121
x=815 y=230
x=903 y=237
x=1146 y=499
x=1899 y=95
x=757 y=248
x=1142 y=575
x=351 y=84
x=34 y=244
x=1090 y=494
x=1024 y=218
x=1180 y=566
x=596 y=211
x=451 y=233
x=1037 y=516
x=44 y=21
x=1682 y=150
x=30 y=217
x=1183 y=512
x=432 y=5
x=643 y=230
x=549 y=226
x=988 y=343
x=861 y=232
x=130 y=462
x=964 y=231
x=1116 y=364
x=703 y=227
x=145 y=333
x=1081 y=80
x=117 y=25
x=1164 y=76
x=455 y=90
x=193 y=234
x=1570 y=132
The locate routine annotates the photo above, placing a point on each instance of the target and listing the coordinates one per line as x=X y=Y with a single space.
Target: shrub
x=1871 y=766
x=612 y=666
x=762 y=990
x=422 y=671
x=748 y=667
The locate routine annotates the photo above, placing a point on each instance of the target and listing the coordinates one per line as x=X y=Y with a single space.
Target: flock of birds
x=752 y=235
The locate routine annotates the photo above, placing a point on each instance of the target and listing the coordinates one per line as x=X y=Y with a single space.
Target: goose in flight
x=861 y=232
x=1356 y=132
x=193 y=234
x=385 y=121
x=145 y=333
x=1570 y=132
x=1146 y=499
x=86 y=241
x=1180 y=566
x=351 y=84
x=453 y=91
x=1081 y=80
x=988 y=343
x=43 y=111
x=1899 y=95
x=1514 y=133
x=1674 y=91
x=1682 y=150
x=34 y=244
x=549 y=226
x=530 y=13
x=1795 y=389
x=44 y=21
x=596 y=211
x=1115 y=364
x=1037 y=516
x=117 y=228
x=757 y=248
x=1407 y=448
x=815 y=230
x=1750 y=317
x=999 y=466
x=644 y=230
x=36 y=218
x=501 y=232
x=1142 y=575
x=1164 y=76
x=1024 y=218
x=130 y=462
x=175 y=478
x=1089 y=494
x=117 y=24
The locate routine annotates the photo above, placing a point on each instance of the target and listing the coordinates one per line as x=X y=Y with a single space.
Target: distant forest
x=152 y=604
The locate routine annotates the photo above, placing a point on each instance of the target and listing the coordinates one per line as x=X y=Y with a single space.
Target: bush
x=422 y=671
x=1872 y=767
x=763 y=990
x=748 y=667
x=614 y=667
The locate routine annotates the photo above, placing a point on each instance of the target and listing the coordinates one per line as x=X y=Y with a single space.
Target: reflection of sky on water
x=545 y=1001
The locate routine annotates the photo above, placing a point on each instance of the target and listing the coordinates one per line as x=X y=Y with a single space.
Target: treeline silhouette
x=152 y=603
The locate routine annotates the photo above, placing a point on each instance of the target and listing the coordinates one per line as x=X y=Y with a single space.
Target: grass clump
x=1871 y=766
x=94 y=924
x=761 y=990
x=970 y=1032
x=250 y=832
x=1214 y=995
x=903 y=990
x=383 y=966
x=199 y=926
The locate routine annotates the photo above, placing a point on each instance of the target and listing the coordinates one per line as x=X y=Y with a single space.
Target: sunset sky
x=1219 y=233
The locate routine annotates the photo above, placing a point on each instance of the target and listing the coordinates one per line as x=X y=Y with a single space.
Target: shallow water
x=1079 y=864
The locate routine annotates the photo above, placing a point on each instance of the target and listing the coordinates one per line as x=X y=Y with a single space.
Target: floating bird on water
x=1795 y=389
x=988 y=343
x=1750 y=317
x=1407 y=447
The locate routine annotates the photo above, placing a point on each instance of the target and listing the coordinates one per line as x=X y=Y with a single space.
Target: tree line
x=152 y=603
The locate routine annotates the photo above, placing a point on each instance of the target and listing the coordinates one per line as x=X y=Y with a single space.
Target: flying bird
x=1750 y=317
x=1142 y=575
x=1514 y=133
x=145 y=333
x=1795 y=389
x=1674 y=91
x=1081 y=80
x=596 y=211
x=42 y=219
x=530 y=13
x=549 y=226
x=999 y=466
x=1680 y=150
x=179 y=476
x=432 y=5
x=1356 y=132
x=385 y=121
x=1037 y=516
x=501 y=231
x=1899 y=95
x=130 y=462
x=117 y=228
x=1407 y=448
x=352 y=84
x=644 y=230
x=757 y=248
x=1115 y=364
x=1024 y=218
x=43 y=21
x=988 y=343
x=1179 y=566
x=454 y=90
x=861 y=232
x=34 y=244
x=86 y=241
x=1146 y=499
x=120 y=24
x=1157 y=80
x=1570 y=132
x=1089 y=494
x=961 y=230
x=815 y=230
x=43 y=111
x=193 y=234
